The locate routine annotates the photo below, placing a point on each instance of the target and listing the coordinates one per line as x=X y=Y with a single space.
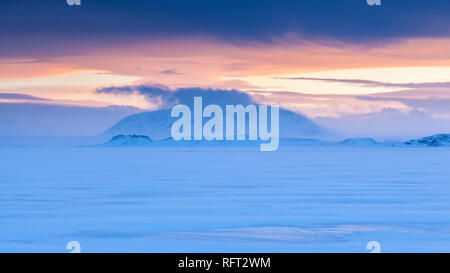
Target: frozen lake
x=235 y=199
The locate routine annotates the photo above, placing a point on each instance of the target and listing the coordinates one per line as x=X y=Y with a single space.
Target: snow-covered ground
x=225 y=199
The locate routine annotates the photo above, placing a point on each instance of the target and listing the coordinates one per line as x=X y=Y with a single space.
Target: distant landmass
x=128 y=140
x=435 y=140
x=359 y=142
x=145 y=141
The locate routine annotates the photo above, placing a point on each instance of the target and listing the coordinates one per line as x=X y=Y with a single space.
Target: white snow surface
x=225 y=199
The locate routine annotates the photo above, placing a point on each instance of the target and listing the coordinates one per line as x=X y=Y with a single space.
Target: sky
x=346 y=65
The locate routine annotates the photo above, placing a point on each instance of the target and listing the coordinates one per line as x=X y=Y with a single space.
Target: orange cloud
x=210 y=63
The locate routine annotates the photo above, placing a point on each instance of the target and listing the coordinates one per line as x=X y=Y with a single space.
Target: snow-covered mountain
x=365 y=141
x=128 y=141
x=157 y=125
x=434 y=140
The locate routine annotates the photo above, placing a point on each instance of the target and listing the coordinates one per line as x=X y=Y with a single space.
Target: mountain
x=359 y=142
x=157 y=125
x=128 y=141
x=434 y=140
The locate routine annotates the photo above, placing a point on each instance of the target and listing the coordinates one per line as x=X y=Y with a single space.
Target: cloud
x=369 y=83
x=326 y=105
x=170 y=72
x=165 y=98
x=36 y=119
x=395 y=115
x=100 y=23
x=389 y=123
x=14 y=96
x=433 y=106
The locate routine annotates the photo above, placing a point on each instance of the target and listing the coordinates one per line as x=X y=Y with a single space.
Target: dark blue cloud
x=54 y=27
x=167 y=98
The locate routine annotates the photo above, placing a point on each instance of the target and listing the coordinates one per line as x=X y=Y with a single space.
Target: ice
x=225 y=199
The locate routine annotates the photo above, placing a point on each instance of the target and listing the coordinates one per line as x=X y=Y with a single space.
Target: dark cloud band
x=166 y=98
x=53 y=27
